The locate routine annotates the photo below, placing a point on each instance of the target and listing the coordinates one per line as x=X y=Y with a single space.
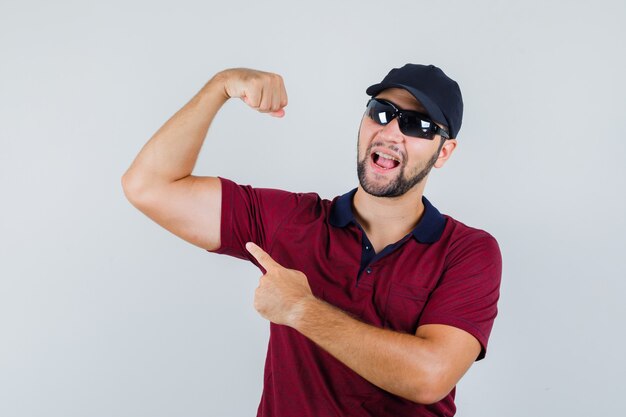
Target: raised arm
x=159 y=181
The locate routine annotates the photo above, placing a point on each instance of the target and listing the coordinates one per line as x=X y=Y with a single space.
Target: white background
x=103 y=313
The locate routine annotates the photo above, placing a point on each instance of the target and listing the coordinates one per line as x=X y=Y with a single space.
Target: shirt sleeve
x=467 y=293
x=251 y=215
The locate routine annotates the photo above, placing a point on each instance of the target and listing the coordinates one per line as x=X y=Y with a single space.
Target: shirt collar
x=428 y=230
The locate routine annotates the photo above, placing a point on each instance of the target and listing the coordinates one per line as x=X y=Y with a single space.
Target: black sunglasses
x=411 y=123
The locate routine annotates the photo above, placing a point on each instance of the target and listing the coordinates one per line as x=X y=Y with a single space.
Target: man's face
x=383 y=177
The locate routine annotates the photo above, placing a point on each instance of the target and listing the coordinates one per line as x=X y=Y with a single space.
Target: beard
x=400 y=184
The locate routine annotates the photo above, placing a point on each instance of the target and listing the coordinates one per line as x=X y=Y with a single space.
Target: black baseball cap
x=439 y=94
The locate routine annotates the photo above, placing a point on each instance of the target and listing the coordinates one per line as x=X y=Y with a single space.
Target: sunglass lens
x=379 y=112
x=413 y=125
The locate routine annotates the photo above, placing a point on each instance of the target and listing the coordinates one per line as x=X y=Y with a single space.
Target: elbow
x=129 y=185
x=134 y=188
x=432 y=388
x=429 y=396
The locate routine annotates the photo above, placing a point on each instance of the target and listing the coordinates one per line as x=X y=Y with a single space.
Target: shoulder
x=466 y=242
x=457 y=230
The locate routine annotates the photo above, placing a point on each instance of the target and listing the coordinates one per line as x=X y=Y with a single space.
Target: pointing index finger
x=261 y=256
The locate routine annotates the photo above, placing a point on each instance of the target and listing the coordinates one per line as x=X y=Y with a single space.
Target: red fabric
x=454 y=281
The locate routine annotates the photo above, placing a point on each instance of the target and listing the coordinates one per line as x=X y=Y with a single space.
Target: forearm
x=402 y=364
x=172 y=152
x=423 y=368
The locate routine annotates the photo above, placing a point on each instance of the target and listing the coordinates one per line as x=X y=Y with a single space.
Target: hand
x=263 y=91
x=281 y=291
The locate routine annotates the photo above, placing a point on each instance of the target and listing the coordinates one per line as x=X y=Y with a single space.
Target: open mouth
x=384 y=161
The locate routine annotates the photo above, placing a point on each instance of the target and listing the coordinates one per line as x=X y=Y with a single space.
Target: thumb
x=278 y=113
x=261 y=256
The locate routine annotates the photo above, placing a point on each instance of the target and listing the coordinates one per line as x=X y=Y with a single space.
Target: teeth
x=384 y=155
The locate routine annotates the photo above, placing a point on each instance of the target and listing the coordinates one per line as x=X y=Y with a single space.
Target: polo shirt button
x=368 y=270
x=367 y=248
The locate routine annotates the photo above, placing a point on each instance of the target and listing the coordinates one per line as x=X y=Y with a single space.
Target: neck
x=388 y=218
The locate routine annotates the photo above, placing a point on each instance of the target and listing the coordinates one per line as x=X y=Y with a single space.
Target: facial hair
x=401 y=184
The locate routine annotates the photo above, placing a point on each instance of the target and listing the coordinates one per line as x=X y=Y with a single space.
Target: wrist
x=216 y=86
x=302 y=310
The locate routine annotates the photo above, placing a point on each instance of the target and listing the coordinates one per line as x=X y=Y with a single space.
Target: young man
x=378 y=303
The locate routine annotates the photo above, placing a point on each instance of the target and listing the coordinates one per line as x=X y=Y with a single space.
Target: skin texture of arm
x=422 y=368
x=159 y=181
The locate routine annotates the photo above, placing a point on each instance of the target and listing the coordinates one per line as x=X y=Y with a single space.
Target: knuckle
x=252 y=79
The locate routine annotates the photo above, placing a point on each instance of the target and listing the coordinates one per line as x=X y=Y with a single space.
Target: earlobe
x=445 y=152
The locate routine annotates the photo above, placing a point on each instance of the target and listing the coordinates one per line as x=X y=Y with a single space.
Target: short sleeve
x=467 y=293
x=251 y=215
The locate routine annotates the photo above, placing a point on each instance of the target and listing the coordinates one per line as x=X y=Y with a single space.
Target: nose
x=391 y=132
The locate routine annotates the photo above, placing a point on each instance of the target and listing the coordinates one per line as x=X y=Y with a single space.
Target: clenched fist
x=263 y=91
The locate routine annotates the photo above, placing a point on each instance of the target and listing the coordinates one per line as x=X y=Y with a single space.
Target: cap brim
x=433 y=109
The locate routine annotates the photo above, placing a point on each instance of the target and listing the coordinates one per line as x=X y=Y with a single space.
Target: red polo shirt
x=443 y=272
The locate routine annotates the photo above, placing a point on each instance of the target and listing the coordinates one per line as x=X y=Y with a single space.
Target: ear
x=445 y=152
